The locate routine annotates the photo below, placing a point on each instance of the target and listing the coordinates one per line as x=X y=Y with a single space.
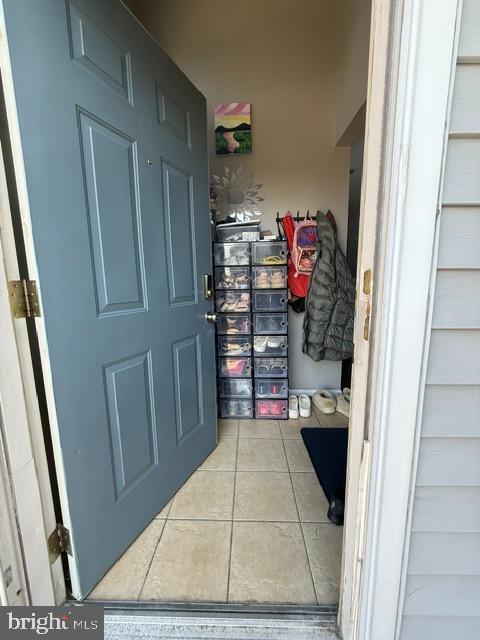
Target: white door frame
x=28 y=515
x=411 y=128
x=410 y=56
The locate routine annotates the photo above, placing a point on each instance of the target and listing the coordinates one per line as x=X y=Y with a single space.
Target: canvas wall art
x=233 y=129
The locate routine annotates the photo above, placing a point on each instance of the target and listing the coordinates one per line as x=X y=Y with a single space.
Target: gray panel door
x=114 y=142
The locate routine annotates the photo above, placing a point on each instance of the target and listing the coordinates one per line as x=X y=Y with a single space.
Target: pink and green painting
x=233 y=130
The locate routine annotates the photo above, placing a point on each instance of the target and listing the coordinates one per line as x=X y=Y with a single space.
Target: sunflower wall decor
x=236 y=195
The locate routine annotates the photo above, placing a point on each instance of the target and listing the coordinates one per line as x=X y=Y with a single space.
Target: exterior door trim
x=412 y=131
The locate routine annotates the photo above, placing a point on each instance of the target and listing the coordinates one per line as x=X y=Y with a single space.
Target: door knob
x=211 y=317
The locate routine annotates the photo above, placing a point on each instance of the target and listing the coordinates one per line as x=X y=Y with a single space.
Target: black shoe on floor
x=337 y=507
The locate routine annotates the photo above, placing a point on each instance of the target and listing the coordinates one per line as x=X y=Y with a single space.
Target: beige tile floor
x=249 y=525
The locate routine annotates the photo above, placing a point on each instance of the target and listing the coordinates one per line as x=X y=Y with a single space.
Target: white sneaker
x=292 y=407
x=305 y=405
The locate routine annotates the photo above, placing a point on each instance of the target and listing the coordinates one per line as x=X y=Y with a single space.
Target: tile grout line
x=171 y=505
x=233 y=512
x=245 y=471
x=236 y=471
x=300 y=523
x=320 y=415
x=167 y=517
x=158 y=542
x=151 y=559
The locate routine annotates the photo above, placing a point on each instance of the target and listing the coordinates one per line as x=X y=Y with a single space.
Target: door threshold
x=285 y=611
x=217 y=621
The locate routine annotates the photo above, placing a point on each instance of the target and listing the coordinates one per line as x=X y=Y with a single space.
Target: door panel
x=110 y=157
x=93 y=48
x=187 y=376
x=131 y=420
x=179 y=227
x=173 y=117
x=114 y=144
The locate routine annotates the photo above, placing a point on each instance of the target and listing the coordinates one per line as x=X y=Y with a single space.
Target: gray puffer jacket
x=330 y=302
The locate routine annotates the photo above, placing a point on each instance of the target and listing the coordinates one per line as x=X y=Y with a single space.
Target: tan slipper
x=343 y=403
x=324 y=401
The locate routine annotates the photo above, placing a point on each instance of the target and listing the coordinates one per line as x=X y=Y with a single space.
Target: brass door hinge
x=24 y=298
x=59 y=542
x=366 y=328
x=367 y=290
x=367 y=282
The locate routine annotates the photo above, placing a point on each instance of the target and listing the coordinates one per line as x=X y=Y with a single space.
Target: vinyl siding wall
x=442 y=596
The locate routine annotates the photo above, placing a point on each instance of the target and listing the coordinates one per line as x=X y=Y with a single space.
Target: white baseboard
x=310 y=392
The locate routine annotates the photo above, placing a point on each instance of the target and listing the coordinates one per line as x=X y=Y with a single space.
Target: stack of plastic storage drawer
x=269 y=328
x=233 y=302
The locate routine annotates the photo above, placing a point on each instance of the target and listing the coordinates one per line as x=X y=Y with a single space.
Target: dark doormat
x=327 y=449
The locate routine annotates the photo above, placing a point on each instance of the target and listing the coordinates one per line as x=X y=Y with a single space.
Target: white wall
x=353 y=28
x=281 y=56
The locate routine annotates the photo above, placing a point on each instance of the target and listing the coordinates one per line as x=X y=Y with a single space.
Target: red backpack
x=304 y=249
x=302 y=241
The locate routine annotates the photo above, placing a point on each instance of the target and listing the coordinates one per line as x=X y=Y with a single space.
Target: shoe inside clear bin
x=270 y=367
x=228 y=346
x=232 y=301
x=234 y=367
x=231 y=253
x=270 y=409
x=236 y=408
x=232 y=277
x=233 y=324
x=271 y=388
x=269 y=277
x=270 y=345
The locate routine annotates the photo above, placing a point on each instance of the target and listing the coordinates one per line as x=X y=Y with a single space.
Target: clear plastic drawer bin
x=233 y=325
x=229 y=346
x=269 y=277
x=235 y=388
x=232 y=278
x=269 y=253
x=231 y=253
x=270 y=323
x=236 y=408
x=269 y=300
x=270 y=345
x=270 y=367
x=232 y=301
x=271 y=388
x=234 y=367
x=271 y=409
x=238 y=233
